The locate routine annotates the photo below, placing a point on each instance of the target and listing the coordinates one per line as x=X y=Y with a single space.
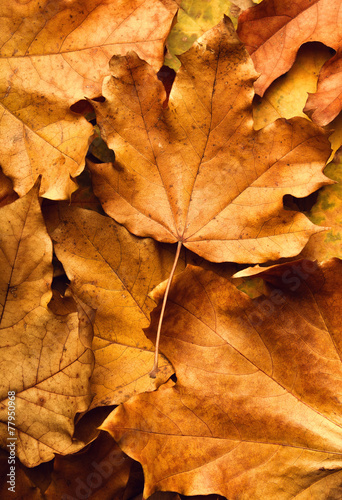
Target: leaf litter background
x=246 y=403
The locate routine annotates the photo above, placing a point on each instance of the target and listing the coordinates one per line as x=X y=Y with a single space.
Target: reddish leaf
x=274 y=30
x=326 y=103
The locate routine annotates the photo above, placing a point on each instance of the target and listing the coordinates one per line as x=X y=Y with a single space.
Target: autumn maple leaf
x=255 y=412
x=197 y=172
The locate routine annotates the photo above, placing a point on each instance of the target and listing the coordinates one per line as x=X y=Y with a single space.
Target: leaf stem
x=155 y=368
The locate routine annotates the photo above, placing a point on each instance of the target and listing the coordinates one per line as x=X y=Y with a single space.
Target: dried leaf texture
x=113 y=272
x=324 y=105
x=255 y=412
x=52 y=55
x=327 y=212
x=273 y=31
x=286 y=97
x=197 y=172
x=42 y=356
x=193 y=20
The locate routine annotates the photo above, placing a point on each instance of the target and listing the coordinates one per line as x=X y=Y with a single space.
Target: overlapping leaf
x=257 y=393
x=7 y=194
x=52 y=55
x=101 y=473
x=274 y=30
x=327 y=212
x=286 y=97
x=326 y=103
x=44 y=358
x=193 y=20
x=113 y=272
x=197 y=172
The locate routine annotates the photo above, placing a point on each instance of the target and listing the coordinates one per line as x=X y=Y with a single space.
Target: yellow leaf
x=45 y=359
x=255 y=412
x=113 y=272
x=52 y=55
x=286 y=97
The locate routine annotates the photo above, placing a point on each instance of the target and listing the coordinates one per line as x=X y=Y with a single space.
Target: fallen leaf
x=286 y=97
x=326 y=103
x=101 y=473
x=197 y=172
x=193 y=20
x=52 y=55
x=327 y=212
x=45 y=359
x=328 y=488
x=113 y=272
x=273 y=31
x=255 y=412
x=25 y=487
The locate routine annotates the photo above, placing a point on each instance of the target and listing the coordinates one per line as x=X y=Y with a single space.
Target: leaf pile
x=107 y=164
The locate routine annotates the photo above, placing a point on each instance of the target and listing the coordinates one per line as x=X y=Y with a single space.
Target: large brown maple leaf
x=256 y=410
x=196 y=172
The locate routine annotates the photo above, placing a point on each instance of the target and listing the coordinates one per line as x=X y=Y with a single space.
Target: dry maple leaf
x=255 y=413
x=45 y=358
x=274 y=30
x=113 y=272
x=197 y=172
x=53 y=54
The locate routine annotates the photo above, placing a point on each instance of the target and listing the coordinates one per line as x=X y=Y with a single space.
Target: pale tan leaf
x=44 y=358
x=113 y=272
x=52 y=55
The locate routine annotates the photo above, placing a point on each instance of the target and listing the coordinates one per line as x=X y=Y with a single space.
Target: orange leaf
x=198 y=172
x=324 y=105
x=255 y=412
x=273 y=31
x=52 y=55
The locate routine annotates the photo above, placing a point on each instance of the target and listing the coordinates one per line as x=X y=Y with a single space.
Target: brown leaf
x=324 y=105
x=113 y=272
x=327 y=212
x=52 y=55
x=197 y=172
x=45 y=358
x=25 y=485
x=101 y=473
x=7 y=195
x=273 y=31
x=255 y=412
x=286 y=97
